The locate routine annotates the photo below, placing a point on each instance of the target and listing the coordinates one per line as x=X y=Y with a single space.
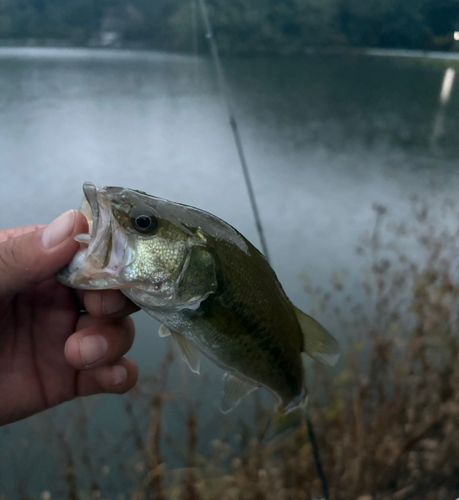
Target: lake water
x=326 y=137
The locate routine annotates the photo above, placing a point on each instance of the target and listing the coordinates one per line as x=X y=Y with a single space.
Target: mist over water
x=326 y=138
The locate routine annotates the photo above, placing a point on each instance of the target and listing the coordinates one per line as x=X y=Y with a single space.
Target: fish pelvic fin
x=317 y=342
x=234 y=390
x=164 y=331
x=189 y=352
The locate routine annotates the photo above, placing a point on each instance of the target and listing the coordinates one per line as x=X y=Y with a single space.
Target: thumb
x=36 y=256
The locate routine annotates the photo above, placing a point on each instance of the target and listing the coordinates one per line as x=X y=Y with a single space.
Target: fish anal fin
x=164 y=331
x=317 y=342
x=188 y=351
x=234 y=390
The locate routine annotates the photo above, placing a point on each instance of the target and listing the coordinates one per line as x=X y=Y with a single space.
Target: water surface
x=326 y=137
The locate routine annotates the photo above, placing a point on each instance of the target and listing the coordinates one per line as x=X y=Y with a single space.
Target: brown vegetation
x=387 y=424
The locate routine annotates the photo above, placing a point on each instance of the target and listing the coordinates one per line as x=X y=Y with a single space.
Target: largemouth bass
x=207 y=285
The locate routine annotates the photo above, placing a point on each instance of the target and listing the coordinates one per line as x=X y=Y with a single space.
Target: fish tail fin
x=285 y=420
x=317 y=342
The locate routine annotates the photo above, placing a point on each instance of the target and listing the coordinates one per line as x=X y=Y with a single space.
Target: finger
x=112 y=303
x=117 y=378
x=37 y=255
x=98 y=342
x=14 y=232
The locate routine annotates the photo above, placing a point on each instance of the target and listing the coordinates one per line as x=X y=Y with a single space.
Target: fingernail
x=93 y=348
x=58 y=230
x=113 y=302
x=119 y=374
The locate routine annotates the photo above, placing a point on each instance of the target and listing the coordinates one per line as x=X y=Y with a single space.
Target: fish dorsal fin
x=317 y=342
x=189 y=352
x=164 y=331
x=234 y=389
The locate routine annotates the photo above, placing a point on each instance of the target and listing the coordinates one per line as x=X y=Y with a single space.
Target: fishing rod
x=233 y=124
x=245 y=169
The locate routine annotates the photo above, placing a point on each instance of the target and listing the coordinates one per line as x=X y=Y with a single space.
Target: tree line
x=241 y=26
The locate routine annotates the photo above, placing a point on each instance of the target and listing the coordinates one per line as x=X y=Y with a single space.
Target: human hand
x=50 y=352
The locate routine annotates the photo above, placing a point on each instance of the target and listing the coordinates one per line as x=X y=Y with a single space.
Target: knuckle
x=3 y=260
x=9 y=256
x=13 y=251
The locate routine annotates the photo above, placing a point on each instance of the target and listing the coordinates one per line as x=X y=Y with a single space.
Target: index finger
x=104 y=303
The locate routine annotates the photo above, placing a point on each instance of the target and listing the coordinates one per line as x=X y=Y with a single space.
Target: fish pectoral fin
x=317 y=342
x=188 y=351
x=234 y=389
x=164 y=331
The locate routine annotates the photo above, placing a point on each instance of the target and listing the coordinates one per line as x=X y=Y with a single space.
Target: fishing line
x=194 y=40
x=317 y=458
x=237 y=139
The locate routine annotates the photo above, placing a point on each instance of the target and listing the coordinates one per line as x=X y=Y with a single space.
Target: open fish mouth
x=103 y=250
x=96 y=209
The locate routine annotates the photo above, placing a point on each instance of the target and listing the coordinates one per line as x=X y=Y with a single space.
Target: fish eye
x=146 y=224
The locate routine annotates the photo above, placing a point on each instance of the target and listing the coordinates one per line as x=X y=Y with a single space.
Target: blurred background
x=348 y=113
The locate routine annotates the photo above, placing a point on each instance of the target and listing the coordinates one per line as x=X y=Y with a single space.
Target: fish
x=211 y=290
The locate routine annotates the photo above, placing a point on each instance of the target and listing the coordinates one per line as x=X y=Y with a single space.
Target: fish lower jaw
x=84 y=272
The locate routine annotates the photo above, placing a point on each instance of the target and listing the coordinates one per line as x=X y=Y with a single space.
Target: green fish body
x=208 y=286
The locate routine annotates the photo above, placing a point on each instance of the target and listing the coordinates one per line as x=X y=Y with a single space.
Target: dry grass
x=387 y=423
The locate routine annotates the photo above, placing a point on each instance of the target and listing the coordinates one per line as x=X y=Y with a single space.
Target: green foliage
x=274 y=25
x=242 y=26
x=398 y=23
x=45 y=18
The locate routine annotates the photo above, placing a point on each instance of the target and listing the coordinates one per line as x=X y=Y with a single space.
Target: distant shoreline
x=141 y=47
